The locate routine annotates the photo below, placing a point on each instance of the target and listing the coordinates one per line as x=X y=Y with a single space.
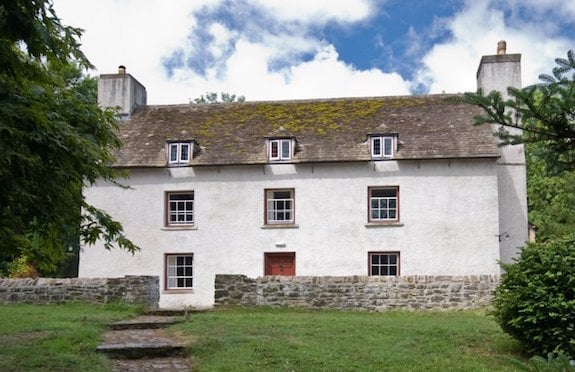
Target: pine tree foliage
x=544 y=112
x=212 y=97
x=54 y=140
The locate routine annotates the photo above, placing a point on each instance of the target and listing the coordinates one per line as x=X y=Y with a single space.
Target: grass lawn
x=64 y=338
x=56 y=337
x=301 y=340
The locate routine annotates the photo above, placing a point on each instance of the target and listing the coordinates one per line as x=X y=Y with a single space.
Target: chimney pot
x=122 y=70
x=501 y=47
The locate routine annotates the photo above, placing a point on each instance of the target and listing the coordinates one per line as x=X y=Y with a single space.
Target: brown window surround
x=383 y=263
x=178 y=271
x=279 y=207
x=383 y=205
x=179 y=209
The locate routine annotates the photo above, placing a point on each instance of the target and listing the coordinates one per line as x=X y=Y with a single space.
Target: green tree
x=535 y=302
x=212 y=97
x=545 y=112
x=54 y=140
x=551 y=197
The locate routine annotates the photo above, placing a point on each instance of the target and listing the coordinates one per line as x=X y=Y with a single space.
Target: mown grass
x=300 y=340
x=56 y=337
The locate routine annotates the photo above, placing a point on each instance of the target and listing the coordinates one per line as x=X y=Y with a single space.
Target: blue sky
x=280 y=49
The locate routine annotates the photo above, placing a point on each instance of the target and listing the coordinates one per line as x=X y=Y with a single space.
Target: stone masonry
x=358 y=292
x=129 y=289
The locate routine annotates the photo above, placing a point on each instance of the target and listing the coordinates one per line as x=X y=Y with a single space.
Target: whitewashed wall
x=449 y=212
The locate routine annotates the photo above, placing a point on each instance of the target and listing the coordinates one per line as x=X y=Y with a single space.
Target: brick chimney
x=121 y=90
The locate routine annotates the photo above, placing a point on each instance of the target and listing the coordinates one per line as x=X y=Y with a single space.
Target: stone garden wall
x=143 y=290
x=358 y=292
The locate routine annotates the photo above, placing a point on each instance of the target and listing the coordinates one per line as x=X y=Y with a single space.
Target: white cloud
x=451 y=66
x=318 y=11
x=289 y=61
x=140 y=34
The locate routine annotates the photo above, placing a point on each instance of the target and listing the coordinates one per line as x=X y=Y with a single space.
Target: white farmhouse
x=354 y=186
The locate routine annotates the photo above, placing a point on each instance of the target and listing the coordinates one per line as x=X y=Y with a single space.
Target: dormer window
x=179 y=152
x=280 y=149
x=382 y=147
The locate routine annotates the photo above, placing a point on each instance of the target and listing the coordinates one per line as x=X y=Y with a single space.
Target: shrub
x=22 y=268
x=535 y=302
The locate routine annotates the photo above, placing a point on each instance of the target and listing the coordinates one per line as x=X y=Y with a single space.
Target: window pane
x=388 y=141
x=274 y=149
x=282 y=194
x=184 y=152
x=286 y=149
x=384 y=264
x=376 y=146
x=173 y=152
x=179 y=271
x=181 y=208
x=384 y=192
x=172 y=282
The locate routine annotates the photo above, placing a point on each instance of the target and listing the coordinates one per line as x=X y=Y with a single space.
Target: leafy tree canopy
x=551 y=197
x=212 y=97
x=545 y=112
x=54 y=140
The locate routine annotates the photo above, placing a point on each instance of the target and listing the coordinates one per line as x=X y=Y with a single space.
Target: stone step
x=141 y=350
x=146 y=322
x=140 y=343
x=168 y=312
x=172 y=364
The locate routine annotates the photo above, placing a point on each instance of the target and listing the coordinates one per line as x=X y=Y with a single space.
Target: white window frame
x=384 y=206
x=284 y=149
x=279 y=210
x=182 y=157
x=384 y=148
x=179 y=208
x=179 y=271
x=387 y=268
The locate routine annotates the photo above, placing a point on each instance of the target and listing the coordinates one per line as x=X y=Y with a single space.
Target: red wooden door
x=280 y=263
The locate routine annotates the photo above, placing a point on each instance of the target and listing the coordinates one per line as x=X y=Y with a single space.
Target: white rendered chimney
x=121 y=90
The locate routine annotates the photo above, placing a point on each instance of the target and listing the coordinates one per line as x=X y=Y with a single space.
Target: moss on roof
x=326 y=130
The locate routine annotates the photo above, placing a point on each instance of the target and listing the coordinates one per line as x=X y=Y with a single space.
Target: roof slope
x=331 y=130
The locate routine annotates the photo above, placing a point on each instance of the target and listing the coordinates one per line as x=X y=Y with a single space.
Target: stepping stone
x=151 y=365
x=145 y=322
x=141 y=343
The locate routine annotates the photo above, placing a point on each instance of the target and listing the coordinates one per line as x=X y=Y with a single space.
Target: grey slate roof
x=330 y=130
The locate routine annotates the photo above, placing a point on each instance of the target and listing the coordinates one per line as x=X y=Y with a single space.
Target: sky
x=302 y=49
